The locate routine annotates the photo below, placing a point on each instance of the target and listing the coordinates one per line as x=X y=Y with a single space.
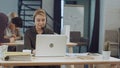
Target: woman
x=39 y=28
x=40 y=20
x=14 y=27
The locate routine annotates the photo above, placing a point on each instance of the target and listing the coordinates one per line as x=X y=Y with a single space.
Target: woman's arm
x=17 y=34
x=27 y=41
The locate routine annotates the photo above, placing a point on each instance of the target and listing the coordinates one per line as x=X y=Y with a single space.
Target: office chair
x=75 y=36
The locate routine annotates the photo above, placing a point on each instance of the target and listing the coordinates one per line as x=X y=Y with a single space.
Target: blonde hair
x=39 y=12
x=13 y=14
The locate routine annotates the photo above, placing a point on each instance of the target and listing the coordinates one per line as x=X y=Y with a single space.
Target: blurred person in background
x=3 y=26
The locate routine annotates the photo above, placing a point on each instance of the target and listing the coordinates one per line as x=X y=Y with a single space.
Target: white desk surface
x=18 y=42
x=68 y=60
x=71 y=44
x=21 y=42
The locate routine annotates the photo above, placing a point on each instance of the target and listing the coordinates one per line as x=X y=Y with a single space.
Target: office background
x=109 y=14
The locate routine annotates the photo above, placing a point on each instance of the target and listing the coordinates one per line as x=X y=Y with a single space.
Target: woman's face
x=40 y=21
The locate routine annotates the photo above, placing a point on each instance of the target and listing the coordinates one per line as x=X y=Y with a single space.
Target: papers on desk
x=76 y=54
x=19 y=41
x=17 y=56
x=83 y=56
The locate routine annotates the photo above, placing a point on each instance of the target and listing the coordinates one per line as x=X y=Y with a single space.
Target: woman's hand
x=12 y=39
x=33 y=52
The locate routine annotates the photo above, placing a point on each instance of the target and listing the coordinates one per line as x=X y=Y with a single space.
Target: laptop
x=50 y=45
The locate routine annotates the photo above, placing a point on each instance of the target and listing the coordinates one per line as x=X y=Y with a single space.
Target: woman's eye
x=43 y=20
x=38 y=20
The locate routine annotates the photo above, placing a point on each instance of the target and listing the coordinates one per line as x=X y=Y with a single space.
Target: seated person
x=40 y=20
x=13 y=30
x=3 y=25
x=14 y=27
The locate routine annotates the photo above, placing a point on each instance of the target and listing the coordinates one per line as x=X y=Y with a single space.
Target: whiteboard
x=74 y=16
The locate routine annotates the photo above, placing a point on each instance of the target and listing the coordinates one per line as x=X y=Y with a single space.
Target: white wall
x=112 y=14
x=74 y=15
x=109 y=18
x=7 y=6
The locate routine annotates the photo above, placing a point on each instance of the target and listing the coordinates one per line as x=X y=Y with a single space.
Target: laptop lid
x=50 y=45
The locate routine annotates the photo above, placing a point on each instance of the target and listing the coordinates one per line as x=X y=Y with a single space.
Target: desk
x=42 y=61
x=70 y=46
x=18 y=42
x=21 y=42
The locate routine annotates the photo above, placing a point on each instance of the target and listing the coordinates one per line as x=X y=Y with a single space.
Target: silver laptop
x=50 y=45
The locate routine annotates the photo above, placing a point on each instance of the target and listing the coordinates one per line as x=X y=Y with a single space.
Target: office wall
x=8 y=6
x=112 y=14
x=74 y=15
x=109 y=18
x=86 y=5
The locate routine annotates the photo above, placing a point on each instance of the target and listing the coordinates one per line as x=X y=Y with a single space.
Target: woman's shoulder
x=30 y=30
